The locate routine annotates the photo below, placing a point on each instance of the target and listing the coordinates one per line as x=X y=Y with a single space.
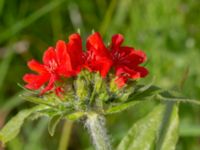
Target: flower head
x=126 y=61
x=57 y=63
x=68 y=59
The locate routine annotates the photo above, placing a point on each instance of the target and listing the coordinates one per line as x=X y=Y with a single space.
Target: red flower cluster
x=68 y=59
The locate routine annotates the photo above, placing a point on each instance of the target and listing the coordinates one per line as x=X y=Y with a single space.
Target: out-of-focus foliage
x=168 y=31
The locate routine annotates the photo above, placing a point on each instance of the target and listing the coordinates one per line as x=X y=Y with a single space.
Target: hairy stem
x=96 y=127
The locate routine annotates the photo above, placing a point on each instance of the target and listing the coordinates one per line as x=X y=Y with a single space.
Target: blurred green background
x=167 y=30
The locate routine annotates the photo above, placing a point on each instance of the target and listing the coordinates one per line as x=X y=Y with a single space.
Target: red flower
x=56 y=63
x=126 y=61
x=97 y=57
x=67 y=60
x=74 y=49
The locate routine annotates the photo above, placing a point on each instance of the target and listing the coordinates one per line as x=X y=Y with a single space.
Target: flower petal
x=142 y=70
x=64 y=60
x=121 y=81
x=95 y=44
x=98 y=57
x=49 y=56
x=62 y=54
x=49 y=86
x=74 y=48
x=139 y=55
x=36 y=66
x=59 y=91
x=117 y=40
x=76 y=42
x=29 y=77
x=35 y=81
x=128 y=72
x=130 y=56
x=104 y=66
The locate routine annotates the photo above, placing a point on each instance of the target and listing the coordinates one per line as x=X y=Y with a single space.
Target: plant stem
x=65 y=137
x=96 y=127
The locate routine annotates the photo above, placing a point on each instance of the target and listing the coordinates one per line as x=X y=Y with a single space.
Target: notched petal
x=49 y=56
x=35 y=81
x=117 y=40
x=36 y=66
x=95 y=43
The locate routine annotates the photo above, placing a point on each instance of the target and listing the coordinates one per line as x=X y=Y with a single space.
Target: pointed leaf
x=145 y=91
x=120 y=107
x=53 y=123
x=171 y=137
x=37 y=100
x=143 y=133
x=168 y=96
x=12 y=128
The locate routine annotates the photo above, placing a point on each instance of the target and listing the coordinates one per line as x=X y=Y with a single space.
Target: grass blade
x=29 y=20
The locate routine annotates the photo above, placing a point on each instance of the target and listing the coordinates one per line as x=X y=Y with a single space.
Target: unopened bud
x=82 y=88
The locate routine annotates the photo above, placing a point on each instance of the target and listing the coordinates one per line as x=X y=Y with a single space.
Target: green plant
x=88 y=89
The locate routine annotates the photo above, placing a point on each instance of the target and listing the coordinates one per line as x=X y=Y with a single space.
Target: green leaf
x=75 y=116
x=12 y=128
x=121 y=107
x=53 y=123
x=144 y=91
x=48 y=112
x=167 y=96
x=168 y=142
x=37 y=100
x=142 y=135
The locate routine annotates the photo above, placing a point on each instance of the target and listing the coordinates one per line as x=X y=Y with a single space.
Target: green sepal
x=82 y=88
x=126 y=92
x=102 y=94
